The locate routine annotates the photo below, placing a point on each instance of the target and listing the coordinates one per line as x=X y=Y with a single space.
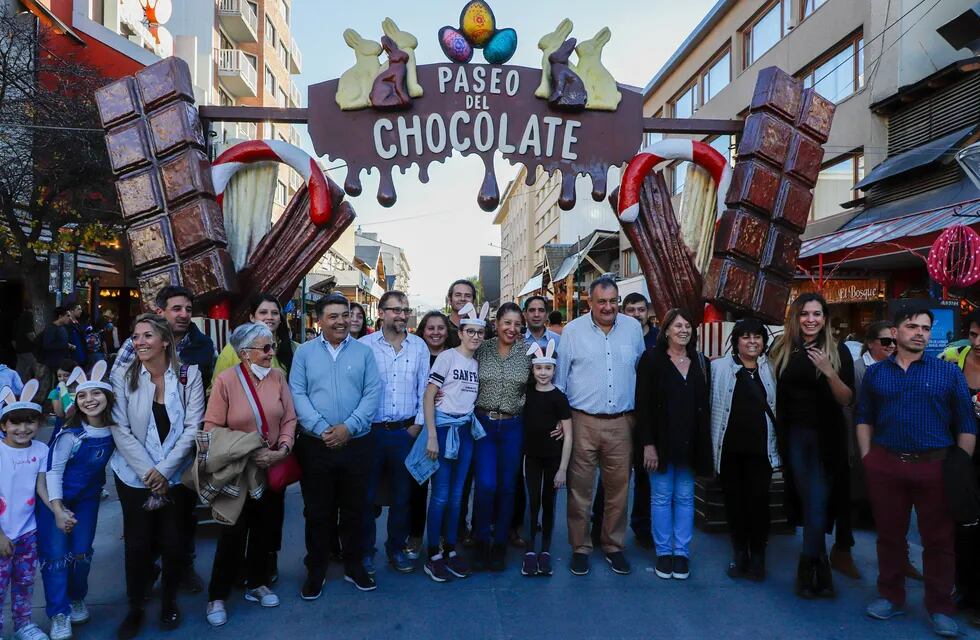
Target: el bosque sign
x=476 y=109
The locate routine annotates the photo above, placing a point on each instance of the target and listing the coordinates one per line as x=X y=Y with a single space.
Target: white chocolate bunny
x=548 y=44
x=9 y=401
x=543 y=357
x=600 y=85
x=468 y=314
x=95 y=381
x=354 y=86
x=407 y=43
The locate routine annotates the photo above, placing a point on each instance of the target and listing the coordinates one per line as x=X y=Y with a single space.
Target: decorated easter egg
x=501 y=47
x=477 y=23
x=455 y=45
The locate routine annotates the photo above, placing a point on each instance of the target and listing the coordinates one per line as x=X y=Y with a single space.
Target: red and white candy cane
x=657 y=154
x=244 y=153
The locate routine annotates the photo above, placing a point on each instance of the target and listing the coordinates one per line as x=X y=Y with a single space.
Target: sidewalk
x=508 y=605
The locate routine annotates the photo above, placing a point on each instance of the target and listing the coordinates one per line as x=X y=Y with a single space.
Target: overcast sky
x=439 y=224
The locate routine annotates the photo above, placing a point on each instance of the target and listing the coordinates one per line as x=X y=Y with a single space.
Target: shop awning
x=534 y=284
x=922 y=223
x=916 y=158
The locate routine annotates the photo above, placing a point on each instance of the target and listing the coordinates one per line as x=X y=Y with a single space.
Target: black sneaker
x=580 y=564
x=530 y=565
x=169 y=615
x=435 y=568
x=665 y=567
x=618 y=562
x=457 y=566
x=358 y=576
x=313 y=586
x=544 y=564
x=681 y=569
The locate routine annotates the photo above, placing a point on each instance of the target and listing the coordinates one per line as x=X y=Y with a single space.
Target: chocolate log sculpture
x=779 y=157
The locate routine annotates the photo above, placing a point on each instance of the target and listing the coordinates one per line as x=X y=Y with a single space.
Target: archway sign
x=734 y=244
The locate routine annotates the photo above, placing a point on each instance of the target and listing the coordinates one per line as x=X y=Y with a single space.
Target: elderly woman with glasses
x=243 y=397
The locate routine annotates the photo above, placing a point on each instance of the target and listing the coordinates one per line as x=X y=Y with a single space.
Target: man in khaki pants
x=597 y=371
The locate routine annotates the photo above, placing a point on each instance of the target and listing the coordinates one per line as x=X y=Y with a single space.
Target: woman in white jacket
x=743 y=434
x=159 y=408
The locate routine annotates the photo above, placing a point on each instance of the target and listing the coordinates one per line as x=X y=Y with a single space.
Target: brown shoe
x=912 y=572
x=842 y=562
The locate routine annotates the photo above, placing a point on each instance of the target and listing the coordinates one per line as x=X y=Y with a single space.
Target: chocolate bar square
x=128 y=147
x=151 y=244
x=174 y=127
x=777 y=91
x=209 y=274
x=816 y=115
x=782 y=249
x=804 y=158
x=151 y=283
x=754 y=184
x=770 y=298
x=166 y=81
x=742 y=234
x=117 y=102
x=765 y=136
x=197 y=225
x=139 y=194
x=730 y=283
x=793 y=204
x=186 y=175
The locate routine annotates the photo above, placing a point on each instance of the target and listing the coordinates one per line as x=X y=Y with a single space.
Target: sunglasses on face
x=886 y=342
x=264 y=349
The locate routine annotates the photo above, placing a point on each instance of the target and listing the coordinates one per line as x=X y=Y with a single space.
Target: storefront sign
x=843 y=291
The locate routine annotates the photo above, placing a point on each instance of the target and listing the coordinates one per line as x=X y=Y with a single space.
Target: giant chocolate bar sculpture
x=174 y=225
x=757 y=240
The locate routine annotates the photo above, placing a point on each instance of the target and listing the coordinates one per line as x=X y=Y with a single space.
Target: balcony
x=295 y=97
x=236 y=72
x=295 y=57
x=238 y=19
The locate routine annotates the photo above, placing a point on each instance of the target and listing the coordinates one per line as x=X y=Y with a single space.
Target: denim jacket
x=420 y=465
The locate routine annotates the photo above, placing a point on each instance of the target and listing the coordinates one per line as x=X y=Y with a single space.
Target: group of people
x=502 y=414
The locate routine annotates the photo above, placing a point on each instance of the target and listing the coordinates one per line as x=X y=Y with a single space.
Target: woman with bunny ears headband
x=545 y=457
x=21 y=482
x=75 y=475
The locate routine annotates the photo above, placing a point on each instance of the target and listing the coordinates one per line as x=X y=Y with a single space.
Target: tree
x=479 y=288
x=55 y=184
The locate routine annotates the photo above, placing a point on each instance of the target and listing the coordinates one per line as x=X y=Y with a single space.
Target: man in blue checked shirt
x=912 y=410
x=403 y=364
x=336 y=389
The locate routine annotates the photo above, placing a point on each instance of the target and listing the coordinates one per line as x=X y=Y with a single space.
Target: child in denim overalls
x=74 y=479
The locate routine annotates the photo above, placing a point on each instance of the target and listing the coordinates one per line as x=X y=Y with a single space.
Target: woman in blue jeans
x=505 y=369
x=673 y=422
x=814 y=381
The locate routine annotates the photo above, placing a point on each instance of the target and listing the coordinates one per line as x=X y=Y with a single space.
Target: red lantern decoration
x=954 y=259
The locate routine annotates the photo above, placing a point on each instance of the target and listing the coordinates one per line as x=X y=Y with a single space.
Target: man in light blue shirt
x=335 y=386
x=403 y=364
x=536 y=319
x=597 y=371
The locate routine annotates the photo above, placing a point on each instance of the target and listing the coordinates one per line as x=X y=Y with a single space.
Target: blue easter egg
x=501 y=47
x=455 y=45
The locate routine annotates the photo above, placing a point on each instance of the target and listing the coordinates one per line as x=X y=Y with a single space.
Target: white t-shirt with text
x=457 y=376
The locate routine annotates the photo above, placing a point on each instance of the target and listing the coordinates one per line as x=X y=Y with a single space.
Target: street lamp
x=969 y=159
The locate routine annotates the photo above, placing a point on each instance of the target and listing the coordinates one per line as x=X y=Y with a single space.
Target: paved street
x=601 y=605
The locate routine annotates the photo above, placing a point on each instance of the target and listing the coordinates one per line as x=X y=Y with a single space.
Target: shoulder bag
x=285 y=472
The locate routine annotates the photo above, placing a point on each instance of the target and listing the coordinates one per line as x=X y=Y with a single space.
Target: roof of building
x=368 y=253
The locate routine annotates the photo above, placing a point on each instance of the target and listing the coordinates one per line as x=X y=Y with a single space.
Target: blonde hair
x=784 y=345
x=160 y=327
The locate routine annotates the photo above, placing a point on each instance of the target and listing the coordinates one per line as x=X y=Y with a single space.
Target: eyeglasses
x=399 y=310
x=886 y=342
x=264 y=349
x=473 y=333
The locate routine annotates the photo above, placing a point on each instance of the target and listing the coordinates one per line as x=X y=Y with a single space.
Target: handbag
x=286 y=471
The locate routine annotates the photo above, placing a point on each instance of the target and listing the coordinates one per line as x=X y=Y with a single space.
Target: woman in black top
x=672 y=418
x=815 y=380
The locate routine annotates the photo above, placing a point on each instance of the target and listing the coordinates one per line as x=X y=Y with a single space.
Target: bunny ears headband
x=468 y=314
x=543 y=357
x=94 y=381
x=9 y=401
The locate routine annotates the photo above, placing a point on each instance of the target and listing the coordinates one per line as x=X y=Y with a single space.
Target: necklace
x=680 y=358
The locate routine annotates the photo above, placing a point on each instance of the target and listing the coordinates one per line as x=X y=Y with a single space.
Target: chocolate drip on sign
x=352 y=185
x=566 y=201
x=489 y=196
x=598 y=175
x=386 y=189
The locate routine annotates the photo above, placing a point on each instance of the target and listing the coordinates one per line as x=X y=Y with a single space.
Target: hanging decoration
x=954 y=259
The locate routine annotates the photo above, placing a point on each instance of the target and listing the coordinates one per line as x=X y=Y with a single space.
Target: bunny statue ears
x=468 y=314
x=94 y=381
x=9 y=401
x=543 y=357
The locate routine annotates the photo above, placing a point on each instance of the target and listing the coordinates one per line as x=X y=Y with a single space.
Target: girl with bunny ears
x=21 y=481
x=74 y=478
x=546 y=411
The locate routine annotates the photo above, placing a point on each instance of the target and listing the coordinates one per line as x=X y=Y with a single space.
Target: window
x=283 y=52
x=840 y=75
x=224 y=99
x=270 y=81
x=631 y=265
x=835 y=185
x=809 y=6
x=284 y=10
x=723 y=145
x=283 y=99
x=650 y=138
x=717 y=77
x=687 y=103
x=280 y=193
x=678 y=176
x=270 y=32
x=766 y=31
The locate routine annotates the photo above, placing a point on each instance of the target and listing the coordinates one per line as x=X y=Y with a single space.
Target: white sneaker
x=60 y=627
x=79 y=613
x=263 y=595
x=30 y=632
x=216 y=614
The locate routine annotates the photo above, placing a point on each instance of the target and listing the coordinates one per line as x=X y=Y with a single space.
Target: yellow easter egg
x=477 y=23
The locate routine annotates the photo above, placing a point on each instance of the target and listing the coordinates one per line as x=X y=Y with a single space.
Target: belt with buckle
x=395 y=425
x=494 y=415
x=930 y=455
x=606 y=416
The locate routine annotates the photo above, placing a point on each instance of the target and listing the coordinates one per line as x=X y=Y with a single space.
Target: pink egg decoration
x=455 y=45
